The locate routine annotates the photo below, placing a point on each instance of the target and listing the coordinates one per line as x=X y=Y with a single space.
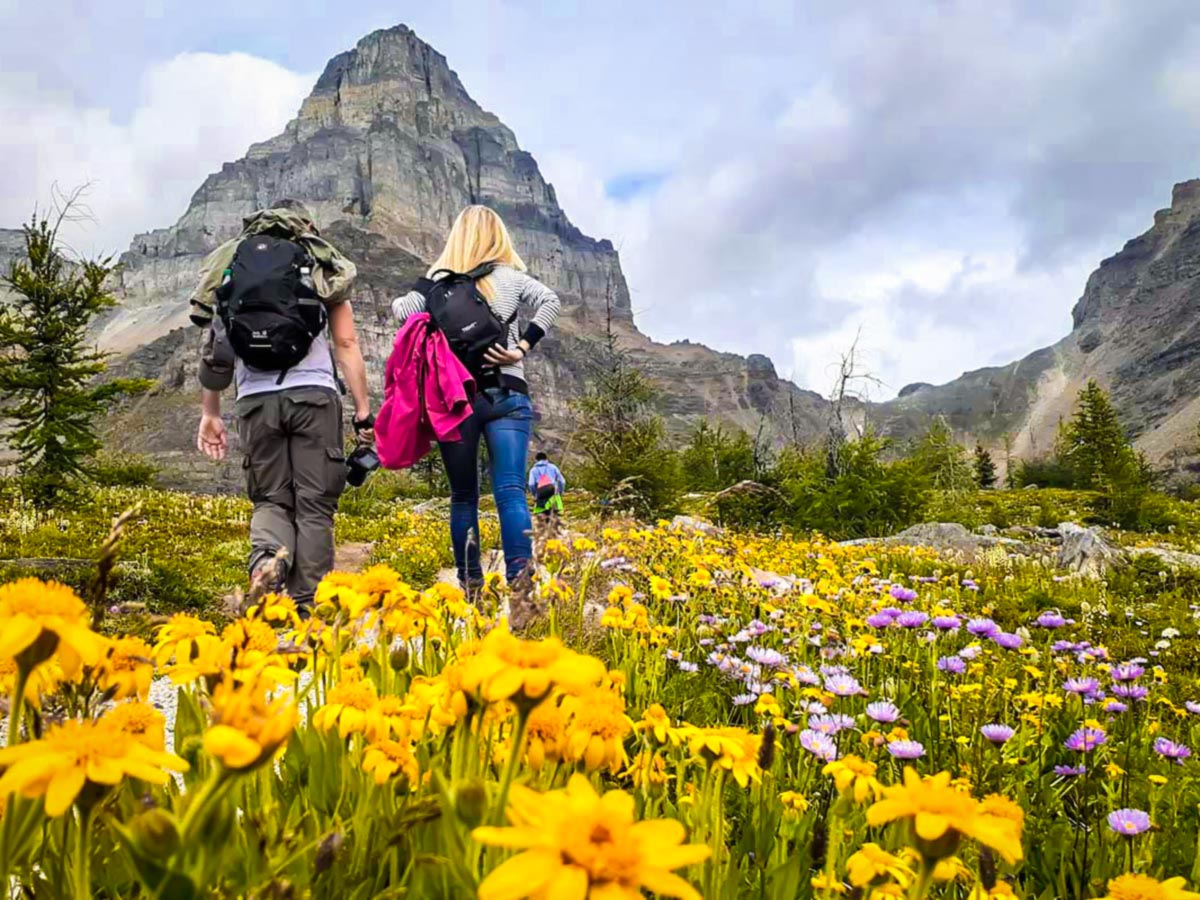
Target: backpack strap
x=481 y=271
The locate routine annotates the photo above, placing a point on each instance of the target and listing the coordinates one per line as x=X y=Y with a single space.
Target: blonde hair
x=478 y=236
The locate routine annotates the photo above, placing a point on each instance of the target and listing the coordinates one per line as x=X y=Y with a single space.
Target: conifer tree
x=49 y=369
x=985 y=468
x=1092 y=443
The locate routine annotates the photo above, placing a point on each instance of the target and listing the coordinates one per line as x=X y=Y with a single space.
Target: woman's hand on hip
x=502 y=356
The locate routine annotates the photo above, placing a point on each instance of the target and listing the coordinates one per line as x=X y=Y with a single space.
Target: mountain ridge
x=385 y=150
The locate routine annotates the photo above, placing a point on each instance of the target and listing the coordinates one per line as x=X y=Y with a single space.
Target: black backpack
x=269 y=305
x=463 y=314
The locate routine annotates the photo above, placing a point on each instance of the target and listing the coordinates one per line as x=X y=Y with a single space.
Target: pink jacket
x=427 y=394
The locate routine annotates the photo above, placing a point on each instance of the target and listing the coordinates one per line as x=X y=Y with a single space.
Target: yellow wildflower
x=346 y=707
x=126 y=669
x=71 y=754
x=140 y=721
x=506 y=667
x=733 y=749
x=386 y=759
x=577 y=843
x=545 y=735
x=39 y=619
x=1143 y=887
x=597 y=729
x=855 y=776
x=872 y=863
x=247 y=727
x=940 y=816
x=179 y=638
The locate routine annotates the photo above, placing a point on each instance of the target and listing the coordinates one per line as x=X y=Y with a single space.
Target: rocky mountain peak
x=386 y=150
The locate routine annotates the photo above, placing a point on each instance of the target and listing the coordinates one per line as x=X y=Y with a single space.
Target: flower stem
x=921 y=886
x=17 y=707
x=198 y=808
x=83 y=856
x=510 y=770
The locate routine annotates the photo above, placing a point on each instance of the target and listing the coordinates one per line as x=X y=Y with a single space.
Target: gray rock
x=988 y=530
x=947 y=537
x=1086 y=551
x=691 y=523
x=1170 y=557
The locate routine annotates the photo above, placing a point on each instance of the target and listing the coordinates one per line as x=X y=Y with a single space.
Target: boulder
x=699 y=526
x=1086 y=551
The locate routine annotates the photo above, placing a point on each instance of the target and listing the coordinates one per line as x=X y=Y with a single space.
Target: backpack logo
x=469 y=327
x=260 y=247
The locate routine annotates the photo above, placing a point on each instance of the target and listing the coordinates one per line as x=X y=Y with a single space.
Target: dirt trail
x=352 y=557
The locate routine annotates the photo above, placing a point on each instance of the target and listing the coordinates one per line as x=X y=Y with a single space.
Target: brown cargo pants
x=295 y=471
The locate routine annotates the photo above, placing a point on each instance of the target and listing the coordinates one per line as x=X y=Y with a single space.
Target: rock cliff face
x=1136 y=331
x=386 y=150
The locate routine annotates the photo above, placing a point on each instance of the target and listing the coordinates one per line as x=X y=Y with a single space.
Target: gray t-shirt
x=315 y=370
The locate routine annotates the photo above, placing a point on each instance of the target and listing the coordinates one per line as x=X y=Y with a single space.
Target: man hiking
x=273 y=299
x=547 y=484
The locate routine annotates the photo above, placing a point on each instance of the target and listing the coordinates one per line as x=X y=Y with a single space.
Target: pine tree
x=49 y=371
x=1093 y=443
x=985 y=468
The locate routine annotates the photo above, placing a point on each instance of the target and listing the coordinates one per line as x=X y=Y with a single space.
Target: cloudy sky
x=936 y=177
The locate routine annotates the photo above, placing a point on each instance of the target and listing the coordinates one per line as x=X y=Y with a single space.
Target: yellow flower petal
x=64 y=788
x=521 y=876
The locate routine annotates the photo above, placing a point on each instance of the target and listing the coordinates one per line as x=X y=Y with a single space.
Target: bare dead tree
x=851 y=384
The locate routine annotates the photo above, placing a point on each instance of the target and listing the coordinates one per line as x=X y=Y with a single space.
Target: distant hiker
x=267 y=298
x=547 y=484
x=475 y=288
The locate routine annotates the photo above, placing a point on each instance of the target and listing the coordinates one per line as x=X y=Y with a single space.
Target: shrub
x=851 y=492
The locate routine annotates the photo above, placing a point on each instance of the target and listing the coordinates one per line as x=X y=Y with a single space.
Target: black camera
x=360 y=464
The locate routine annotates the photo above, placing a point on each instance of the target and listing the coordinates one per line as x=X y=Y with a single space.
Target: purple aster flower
x=911 y=619
x=946 y=623
x=982 y=627
x=843 y=685
x=970 y=652
x=952 y=664
x=1063 y=647
x=997 y=733
x=879 y=620
x=883 y=711
x=1130 y=691
x=1177 y=753
x=806 y=676
x=1085 y=687
x=1128 y=822
x=1069 y=771
x=1051 y=618
x=1115 y=706
x=906 y=749
x=819 y=745
x=1007 y=641
x=813 y=708
x=1129 y=671
x=765 y=656
x=685 y=666
x=1085 y=740
x=1192 y=706
x=969 y=584
x=902 y=594
x=744 y=699
x=830 y=723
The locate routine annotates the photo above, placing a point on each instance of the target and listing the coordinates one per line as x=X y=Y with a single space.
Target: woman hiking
x=502 y=413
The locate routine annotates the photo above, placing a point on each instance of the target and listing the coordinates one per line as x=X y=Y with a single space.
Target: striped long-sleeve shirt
x=510 y=289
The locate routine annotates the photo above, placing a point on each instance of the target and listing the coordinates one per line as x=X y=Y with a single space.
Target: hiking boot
x=474 y=589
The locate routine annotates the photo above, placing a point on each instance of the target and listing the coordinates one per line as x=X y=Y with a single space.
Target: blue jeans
x=504 y=419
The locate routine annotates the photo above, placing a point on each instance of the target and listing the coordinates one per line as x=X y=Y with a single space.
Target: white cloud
x=193 y=113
